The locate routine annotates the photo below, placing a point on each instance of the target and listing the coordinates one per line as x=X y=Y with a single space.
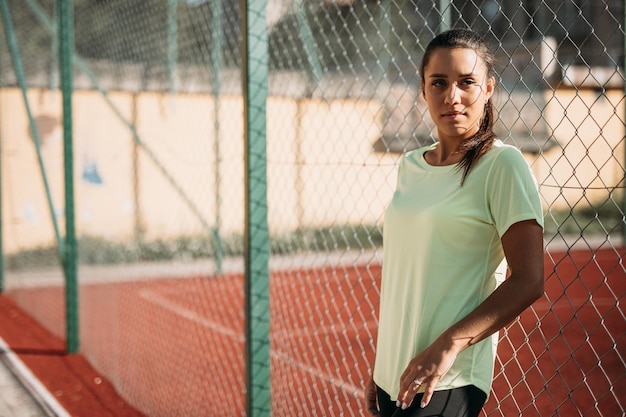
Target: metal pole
x=308 y=41
x=172 y=44
x=138 y=223
x=255 y=71
x=1 y=222
x=66 y=49
x=624 y=137
x=54 y=58
x=445 y=10
x=385 y=19
x=217 y=26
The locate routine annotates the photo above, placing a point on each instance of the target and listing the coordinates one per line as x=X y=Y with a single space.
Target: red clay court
x=174 y=347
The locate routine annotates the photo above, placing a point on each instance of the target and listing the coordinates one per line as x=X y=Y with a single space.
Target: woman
x=461 y=206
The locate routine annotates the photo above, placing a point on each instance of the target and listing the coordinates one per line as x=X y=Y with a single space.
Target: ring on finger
x=416 y=381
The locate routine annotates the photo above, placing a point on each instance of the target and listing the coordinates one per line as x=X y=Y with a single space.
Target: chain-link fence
x=164 y=191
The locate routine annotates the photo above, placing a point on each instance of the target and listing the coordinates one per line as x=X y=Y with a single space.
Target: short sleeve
x=512 y=191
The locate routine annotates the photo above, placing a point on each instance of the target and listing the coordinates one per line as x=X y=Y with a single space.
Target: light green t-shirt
x=443 y=256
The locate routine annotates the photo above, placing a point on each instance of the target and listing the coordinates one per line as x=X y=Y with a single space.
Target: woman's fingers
x=425 y=371
x=408 y=394
x=408 y=391
x=428 y=394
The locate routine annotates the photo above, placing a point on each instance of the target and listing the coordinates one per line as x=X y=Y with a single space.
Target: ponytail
x=476 y=146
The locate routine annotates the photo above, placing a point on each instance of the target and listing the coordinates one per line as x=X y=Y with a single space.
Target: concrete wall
x=321 y=166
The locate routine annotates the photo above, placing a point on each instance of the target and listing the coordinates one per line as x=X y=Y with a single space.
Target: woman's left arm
x=523 y=248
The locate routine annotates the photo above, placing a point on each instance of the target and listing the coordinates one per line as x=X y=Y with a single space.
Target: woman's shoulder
x=501 y=152
x=501 y=147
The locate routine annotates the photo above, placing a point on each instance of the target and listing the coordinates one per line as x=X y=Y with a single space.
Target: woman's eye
x=439 y=83
x=468 y=82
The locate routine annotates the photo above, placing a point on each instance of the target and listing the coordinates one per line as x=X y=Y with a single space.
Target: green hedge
x=607 y=219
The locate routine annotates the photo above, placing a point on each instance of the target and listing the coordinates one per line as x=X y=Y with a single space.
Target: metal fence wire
x=162 y=190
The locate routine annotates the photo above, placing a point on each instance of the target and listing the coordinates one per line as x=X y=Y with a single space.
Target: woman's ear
x=423 y=91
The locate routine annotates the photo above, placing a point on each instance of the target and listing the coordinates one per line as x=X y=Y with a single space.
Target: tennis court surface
x=171 y=346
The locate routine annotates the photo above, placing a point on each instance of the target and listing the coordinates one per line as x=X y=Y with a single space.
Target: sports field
x=175 y=346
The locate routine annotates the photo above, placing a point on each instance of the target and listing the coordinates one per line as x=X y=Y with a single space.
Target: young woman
x=461 y=206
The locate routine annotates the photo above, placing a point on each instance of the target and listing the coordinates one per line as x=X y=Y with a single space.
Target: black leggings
x=459 y=402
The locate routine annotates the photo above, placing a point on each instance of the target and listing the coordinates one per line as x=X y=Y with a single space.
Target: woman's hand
x=371 y=398
x=425 y=370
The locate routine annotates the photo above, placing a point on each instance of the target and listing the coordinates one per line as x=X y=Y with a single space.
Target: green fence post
x=66 y=50
x=217 y=26
x=445 y=10
x=255 y=70
x=172 y=44
x=1 y=222
x=53 y=79
x=624 y=87
x=308 y=41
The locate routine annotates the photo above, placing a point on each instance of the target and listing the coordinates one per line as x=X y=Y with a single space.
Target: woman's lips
x=452 y=114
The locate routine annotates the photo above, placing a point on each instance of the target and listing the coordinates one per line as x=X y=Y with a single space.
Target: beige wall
x=590 y=128
x=26 y=219
x=321 y=168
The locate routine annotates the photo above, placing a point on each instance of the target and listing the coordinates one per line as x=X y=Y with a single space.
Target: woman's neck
x=445 y=153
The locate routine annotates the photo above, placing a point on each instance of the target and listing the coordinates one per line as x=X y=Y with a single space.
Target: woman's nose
x=452 y=95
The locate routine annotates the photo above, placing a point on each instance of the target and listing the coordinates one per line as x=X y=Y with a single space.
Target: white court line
x=40 y=393
x=318 y=331
x=181 y=311
x=342 y=385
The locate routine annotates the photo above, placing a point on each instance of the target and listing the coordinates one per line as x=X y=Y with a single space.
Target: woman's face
x=456 y=87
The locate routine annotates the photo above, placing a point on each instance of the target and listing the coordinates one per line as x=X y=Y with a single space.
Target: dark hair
x=481 y=142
